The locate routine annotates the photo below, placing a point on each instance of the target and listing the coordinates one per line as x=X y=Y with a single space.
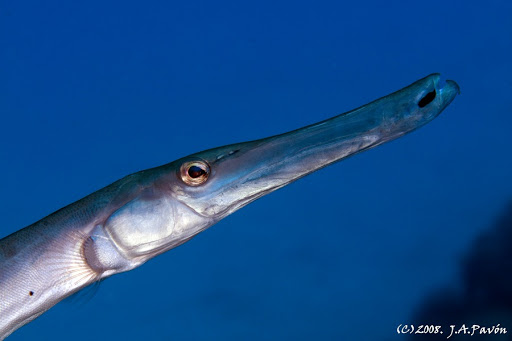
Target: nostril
x=427 y=99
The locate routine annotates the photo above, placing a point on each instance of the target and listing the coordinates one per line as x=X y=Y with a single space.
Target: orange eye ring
x=194 y=173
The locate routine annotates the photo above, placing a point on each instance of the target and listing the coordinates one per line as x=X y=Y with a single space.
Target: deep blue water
x=92 y=91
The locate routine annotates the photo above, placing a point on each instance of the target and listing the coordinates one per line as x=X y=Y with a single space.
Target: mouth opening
x=428 y=98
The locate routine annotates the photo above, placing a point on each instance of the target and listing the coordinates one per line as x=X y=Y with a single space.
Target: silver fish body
x=147 y=213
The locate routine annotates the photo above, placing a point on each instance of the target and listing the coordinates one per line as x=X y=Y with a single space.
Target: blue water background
x=93 y=91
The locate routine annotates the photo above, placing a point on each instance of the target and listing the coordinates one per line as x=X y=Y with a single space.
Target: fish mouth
x=441 y=91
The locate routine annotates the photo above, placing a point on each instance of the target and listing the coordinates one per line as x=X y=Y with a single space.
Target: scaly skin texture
x=144 y=214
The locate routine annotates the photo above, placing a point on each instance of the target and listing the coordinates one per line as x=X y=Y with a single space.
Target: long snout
x=253 y=169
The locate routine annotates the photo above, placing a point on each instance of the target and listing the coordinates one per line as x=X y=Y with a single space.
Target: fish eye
x=194 y=173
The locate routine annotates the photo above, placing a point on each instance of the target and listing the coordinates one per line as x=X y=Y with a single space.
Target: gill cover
x=152 y=223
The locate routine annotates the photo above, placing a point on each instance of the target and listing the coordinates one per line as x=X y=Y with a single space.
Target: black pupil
x=427 y=99
x=195 y=172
